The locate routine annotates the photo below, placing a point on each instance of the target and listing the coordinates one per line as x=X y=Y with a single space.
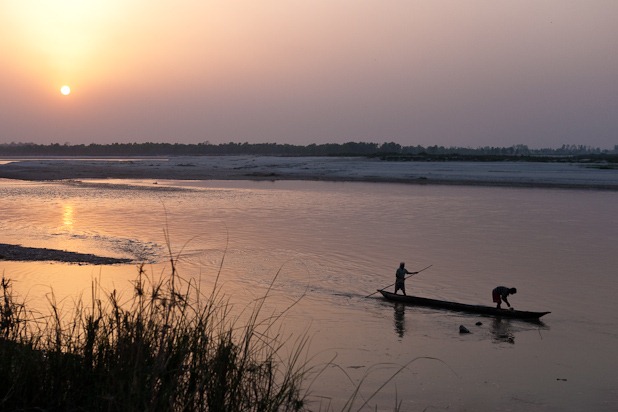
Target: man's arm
x=506 y=301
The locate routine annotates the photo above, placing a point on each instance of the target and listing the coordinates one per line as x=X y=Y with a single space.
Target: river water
x=332 y=245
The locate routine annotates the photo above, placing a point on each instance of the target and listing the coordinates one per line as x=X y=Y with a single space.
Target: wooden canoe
x=462 y=307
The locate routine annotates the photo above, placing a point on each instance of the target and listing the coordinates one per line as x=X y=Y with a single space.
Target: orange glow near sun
x=67 y=39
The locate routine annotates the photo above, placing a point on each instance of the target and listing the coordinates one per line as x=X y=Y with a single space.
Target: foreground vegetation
x=169 y=347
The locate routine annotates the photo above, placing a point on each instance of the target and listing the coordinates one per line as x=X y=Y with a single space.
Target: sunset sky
x=417 y=72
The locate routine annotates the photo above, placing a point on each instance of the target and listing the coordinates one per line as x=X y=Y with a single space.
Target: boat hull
x=462 y=307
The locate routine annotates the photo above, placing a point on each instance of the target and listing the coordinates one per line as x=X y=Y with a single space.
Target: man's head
x=512 y=291
x=402 y=264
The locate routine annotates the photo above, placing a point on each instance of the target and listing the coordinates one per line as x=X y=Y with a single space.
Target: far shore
x=336 y=169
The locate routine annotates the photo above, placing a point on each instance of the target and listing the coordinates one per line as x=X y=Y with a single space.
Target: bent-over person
x=501 y=293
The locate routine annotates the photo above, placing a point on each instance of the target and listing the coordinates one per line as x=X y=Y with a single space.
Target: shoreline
x=334 y=169
x=18 y=253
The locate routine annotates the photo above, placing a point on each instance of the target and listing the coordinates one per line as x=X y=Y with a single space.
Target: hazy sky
x=430 y=72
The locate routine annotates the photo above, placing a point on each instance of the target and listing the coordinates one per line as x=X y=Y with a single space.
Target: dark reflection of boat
x=400 y=321
x=462 y=307
x=502 y=331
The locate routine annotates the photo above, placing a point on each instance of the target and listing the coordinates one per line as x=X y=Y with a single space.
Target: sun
x=65 y=90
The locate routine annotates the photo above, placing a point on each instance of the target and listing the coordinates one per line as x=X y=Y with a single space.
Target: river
x=332 y=244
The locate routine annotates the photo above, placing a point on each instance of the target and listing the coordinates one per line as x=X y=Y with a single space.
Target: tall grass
x=167 y=347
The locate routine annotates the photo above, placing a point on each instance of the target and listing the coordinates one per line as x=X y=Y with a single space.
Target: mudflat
x=30 y=254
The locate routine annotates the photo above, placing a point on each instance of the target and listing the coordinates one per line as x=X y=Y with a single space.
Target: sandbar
x=352 y=169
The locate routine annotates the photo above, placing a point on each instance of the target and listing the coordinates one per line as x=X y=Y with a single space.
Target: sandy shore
x=208 y=168
x=516 y=174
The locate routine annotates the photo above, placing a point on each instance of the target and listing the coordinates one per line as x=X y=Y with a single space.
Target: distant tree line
x=387 y=151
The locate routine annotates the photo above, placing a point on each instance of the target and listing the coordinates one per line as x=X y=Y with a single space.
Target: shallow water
x=335 y=243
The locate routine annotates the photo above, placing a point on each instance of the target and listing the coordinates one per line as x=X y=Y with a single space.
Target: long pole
x=415 y=273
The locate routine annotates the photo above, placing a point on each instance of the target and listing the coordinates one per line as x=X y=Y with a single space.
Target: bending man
x=500 y=294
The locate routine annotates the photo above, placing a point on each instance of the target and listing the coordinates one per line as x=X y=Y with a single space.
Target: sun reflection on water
x=67 y=216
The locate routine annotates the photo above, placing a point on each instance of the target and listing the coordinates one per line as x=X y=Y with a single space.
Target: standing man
x=400 y=278
x=500 y=293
